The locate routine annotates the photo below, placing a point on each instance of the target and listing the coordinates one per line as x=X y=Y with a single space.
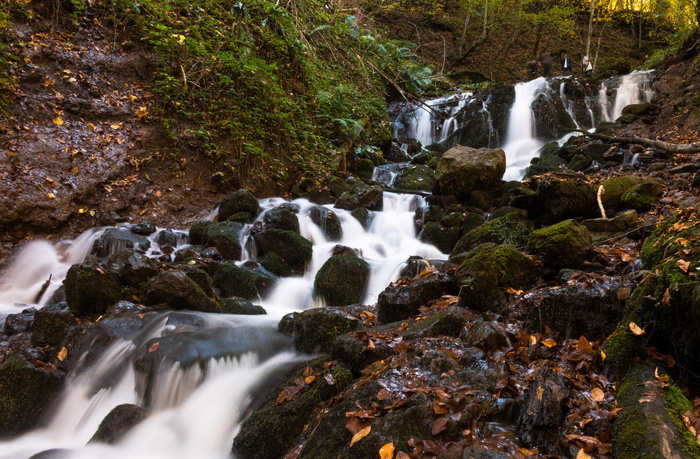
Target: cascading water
x=218 y=388
x=521 y=143
x=634 y=88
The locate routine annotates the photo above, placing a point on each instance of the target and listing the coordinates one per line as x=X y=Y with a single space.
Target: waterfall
x=521 y=144
x=634 y=88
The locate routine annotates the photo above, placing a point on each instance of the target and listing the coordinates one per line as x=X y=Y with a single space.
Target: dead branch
x=659 y=144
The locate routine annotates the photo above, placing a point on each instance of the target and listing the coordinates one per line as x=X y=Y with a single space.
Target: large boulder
x=566 y=244
x=225 y=236
x=315 y=330
x=281 y=218
x=27 y=392
x=328 y=221
x=513 y=229
x=342 y=280
x=90 y=290
x=118 y=423
x=52 y=324
x=116 y=239
x=370 y=198
x=176 y=290
x=238 y=201
x=415 y=178
x=551 y=199
x=234 y=280
x=293 y=250
x=488 y=269
x=400 y=301
x=641 y=197
x=462 y=170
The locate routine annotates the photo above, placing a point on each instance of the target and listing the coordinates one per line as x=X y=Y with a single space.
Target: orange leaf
x=623 y=293
x=62 y=353
x=154 y=347
x=684 y=265
x=439 y=425
x=636 y=330
x=667 y=297
x=549 y=342
x=597 y=395
x=386 y=451
x=383 y=394
x=309 y=379
x=582 y=454
x=58 y=121
x=360 y=435
x=307 y=372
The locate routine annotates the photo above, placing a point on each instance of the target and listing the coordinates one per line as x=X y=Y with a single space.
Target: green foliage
x=267 y=89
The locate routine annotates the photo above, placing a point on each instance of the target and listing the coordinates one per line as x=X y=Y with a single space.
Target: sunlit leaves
x=636 y=329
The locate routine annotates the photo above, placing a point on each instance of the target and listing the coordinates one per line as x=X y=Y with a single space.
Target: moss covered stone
x=415 y=178
x=441 y=237
x=238 y=201
x=513 y=230
x=566 y=244
x=641 y=197
x=342 y=280
x=315 y=330
x=90 y=290
x=177 y=291
x=488 y=269
x=294 y=251
x=234 y=280
x=614 y=189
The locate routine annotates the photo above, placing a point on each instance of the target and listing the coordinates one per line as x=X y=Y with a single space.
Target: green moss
x=512 y=230
x=677 y=404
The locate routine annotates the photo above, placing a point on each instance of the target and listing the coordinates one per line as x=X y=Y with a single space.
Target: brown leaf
x=670 y=362
x=360 y=435
x=439 y=425
x=584 y=345
x=684 y=265
x=597 y=394
x=307 y=372
x=623 y=293
x=154 y=347
x=439 y=409
x=667 y=297
x=62 y=353
x=383 y=394
x=582 y=454
x=636 y=329
x=549 y=342
x=386 y=451
x=649 y=396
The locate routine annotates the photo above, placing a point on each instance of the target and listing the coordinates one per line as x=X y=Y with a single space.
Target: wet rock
x=415 y=178
x=547 y=161
x=177 y=291
x=462 y=170
x=614 y=189
x=442 y=238
x=90 y=290
x=342 y=280
x=118 y=423
x=357 y=354
x=225 y=236
x=293 y=250
x=282 y=219
x=550 y=200
x=158 y=357
x=487 y=270
x=542 y=412
x=593 y=312
x=238 y=201
x=199 y=276
x=167 y=237
x=370 y=198
x=234 y=280
x=579 y=163
x=198 y=232
x=623 y=222
x=449 y=322
x=238 y=305
x=144 y=228
x=484 y=336
x=641 y=197
x=27 y=391
x=315 y=330
x=52 y=325
x=513 y=229
x=328 y=221
x=116 y=239
x=398 y=302
x=564 y=245
x=19 y=323
x=133 y=268
x=551 y=118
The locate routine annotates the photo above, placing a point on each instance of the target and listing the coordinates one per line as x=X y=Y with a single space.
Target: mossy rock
x=513 y=229
x=579 y=163
x=52 y=325
x=328 y=221
x=118 y=423
x=225 y=236
x=293 y=250
x=641 y=197
x=177 y=291
x=566 y=244
x=134 y=268
x=654 y=429
x=435 y=234
x=553 y=200
x=234 y=280
x=614 y=188
x=238 y=305
x=198 y=232
x=27 y=392
x=315 y=330
x=342 y=280
x=547 y=161
x=489 y=268
x=415 y=178
x=90 y=290
x=462 y=170
x=281 y=218
x=238 y=201
x=398 y=302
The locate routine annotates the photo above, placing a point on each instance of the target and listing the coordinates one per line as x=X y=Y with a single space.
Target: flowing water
x=195 y=410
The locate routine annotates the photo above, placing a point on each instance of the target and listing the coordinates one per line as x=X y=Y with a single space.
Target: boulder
x=342 y=280
x=238 y=201
x=328 y=221
x=116 y=239
x=118 y=422
x=487 y=270
x=512 y=229
x=281 y=218
x=27 y=392
x=177 y=291
x=52 y=324
x=415 y=178
x=293 y=250
x=19 y=322
x=134 y=268
x=641 y=197
x=238 y=305
x=234 y=280
x=547 y=161
x=315 y=330
x=566 y=244
x=439 y=236
x=625 y=221
x=550 y=199
x=370 y=198
x=144 y=228
x=225 y=236
x=90 y=290
x=462 y=170
x=400 y=301
x=614 y=188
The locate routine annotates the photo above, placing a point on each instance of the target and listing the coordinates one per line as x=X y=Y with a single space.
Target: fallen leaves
x=636 y=329
x=58 y=121
x=360 y=435
x=386 y=451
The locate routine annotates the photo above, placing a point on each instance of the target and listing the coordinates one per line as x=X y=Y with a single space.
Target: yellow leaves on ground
x=360 y=435
x=62 y=353
x=142 y=112
x=582 y=454
x=51 y=196
x=386 y=451
x=549 y=342
x=58 y=121
x=636 y=329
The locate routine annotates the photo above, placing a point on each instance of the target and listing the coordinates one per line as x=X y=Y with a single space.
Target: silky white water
x=195 y=412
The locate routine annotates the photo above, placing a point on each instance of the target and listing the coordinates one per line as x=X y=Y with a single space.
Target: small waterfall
x=568 y=104
x=634 y=88
x=521 y=145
